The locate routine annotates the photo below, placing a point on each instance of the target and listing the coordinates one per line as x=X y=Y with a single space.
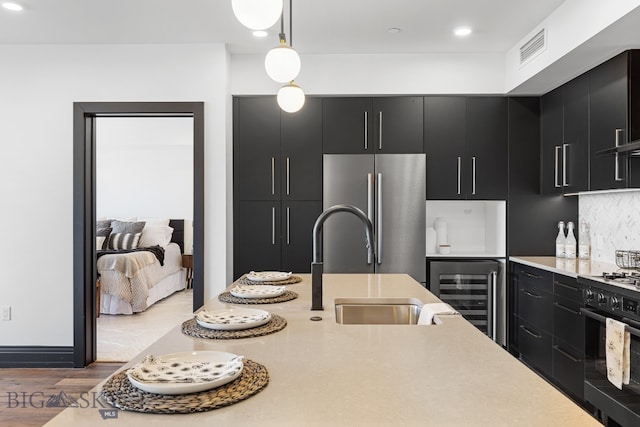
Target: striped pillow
x=124 y=240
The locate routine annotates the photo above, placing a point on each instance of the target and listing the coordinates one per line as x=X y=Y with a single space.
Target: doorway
x=84 y=207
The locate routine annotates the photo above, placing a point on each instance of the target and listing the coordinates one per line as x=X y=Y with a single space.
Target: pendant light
x=291 y=98
x=282 y=63
x=257 y=14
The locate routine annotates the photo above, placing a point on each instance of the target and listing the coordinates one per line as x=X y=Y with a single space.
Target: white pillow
x=99 y=242
x=155 y=235
x=155 y=221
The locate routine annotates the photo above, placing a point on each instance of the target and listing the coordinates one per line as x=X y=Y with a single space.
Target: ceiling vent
x=533 y=47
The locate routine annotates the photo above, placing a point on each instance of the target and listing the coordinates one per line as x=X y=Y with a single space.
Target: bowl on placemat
x=257 y=291
x=230 y=319
x=185 y=372
x=268 y=276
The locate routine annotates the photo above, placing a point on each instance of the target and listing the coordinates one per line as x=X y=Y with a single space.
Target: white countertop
x=326 y=374
x=567 y=267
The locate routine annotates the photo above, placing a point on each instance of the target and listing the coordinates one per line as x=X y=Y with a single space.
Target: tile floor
x=121 y=337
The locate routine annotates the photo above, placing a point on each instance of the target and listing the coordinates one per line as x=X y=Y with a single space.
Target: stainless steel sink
x=377 y=311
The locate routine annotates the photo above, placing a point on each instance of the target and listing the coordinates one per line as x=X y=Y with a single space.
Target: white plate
x=185 y=372
x=230 y=319
x=257 y=291
x=268 y=276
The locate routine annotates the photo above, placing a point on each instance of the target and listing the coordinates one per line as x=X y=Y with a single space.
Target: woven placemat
x=193 y=329
x=290 y=281
x=119 y=392
x=286 y=296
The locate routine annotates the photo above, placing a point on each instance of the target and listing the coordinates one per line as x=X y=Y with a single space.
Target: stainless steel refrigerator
x=391 y=190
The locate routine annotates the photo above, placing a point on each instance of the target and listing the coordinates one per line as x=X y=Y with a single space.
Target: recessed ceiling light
x=12 y=6
x=260 y=33
x=462 y=31
x=393 y=30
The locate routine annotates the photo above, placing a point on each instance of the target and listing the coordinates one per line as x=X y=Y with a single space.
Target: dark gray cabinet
x=564 y=125
x=547 y=326
x=467 y=148
x=568 y=336
x=274 y=235
x=608 y=125
x=277 y=184
x=389 y=125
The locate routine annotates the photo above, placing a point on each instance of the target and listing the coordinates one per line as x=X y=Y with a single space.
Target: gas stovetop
x=629 y=280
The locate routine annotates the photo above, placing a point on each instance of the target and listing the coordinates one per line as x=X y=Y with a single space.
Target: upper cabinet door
x=301 y=152
x=608 y=124
x=347 y=125
x=552 y=137
x=487 y=149
x=256 y=156
x=398 y=125
x=445 y=136
x=575 y=149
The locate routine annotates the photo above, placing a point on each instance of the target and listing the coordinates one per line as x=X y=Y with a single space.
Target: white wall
x=578 y=38
x=38 y=85
x=378 y=74
x=144 y=167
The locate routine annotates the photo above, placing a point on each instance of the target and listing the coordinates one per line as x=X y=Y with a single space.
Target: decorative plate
x=230 y=319
x=257 y=291
x=185 y=372
x=268 y=276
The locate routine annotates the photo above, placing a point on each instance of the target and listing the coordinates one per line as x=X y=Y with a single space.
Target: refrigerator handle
x=473 y=166
x=379 y=221
x=370 y=184
x=493 y=304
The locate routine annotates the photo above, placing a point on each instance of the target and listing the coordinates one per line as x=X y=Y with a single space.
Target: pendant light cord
x=291 y=23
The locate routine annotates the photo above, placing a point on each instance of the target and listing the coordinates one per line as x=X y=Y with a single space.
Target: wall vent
x=535 y=45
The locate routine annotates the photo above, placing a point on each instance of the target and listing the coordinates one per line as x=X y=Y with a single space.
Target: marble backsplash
x=614 y=221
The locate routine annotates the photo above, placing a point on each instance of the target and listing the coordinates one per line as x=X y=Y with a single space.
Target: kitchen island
x=327 y=374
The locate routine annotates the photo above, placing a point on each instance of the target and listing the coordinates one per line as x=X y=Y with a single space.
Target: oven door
x=622 y=406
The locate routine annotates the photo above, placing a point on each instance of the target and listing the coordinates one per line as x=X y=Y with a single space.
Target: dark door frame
x=84 y=208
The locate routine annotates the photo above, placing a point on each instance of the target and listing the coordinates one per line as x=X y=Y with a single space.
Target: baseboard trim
x=36 y=357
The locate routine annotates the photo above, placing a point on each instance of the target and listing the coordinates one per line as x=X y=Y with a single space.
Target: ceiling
x=319 y=26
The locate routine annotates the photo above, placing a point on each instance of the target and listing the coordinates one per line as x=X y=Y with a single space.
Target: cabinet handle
x=530 y=294
x=577 y=313
x=617 y=158
x=273 y=225
x=564 y=285
x=473 y=170
x=459 y=166
x=380 y=131
x=567 y=355
x=564 y=165
x=366 y=130
x=555 y=166
x=524 y=328
x=288 y=226
x=273 y=176
x=533 y=276
x=288 y=175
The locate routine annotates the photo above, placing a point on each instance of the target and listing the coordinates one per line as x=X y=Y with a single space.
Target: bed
x=139 y=263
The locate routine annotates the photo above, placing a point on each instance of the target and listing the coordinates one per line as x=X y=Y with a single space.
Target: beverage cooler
x=475 y=288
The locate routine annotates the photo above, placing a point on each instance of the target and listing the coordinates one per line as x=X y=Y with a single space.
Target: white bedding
x=134 y=281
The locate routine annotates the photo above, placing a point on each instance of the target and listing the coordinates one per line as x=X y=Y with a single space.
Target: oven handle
x=590 y=313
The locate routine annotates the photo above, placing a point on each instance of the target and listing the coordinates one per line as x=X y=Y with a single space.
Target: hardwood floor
x=31 y=397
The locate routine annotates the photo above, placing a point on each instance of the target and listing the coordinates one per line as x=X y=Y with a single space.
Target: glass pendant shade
x=291 y=98
x=282 y=63
x=257 y=14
